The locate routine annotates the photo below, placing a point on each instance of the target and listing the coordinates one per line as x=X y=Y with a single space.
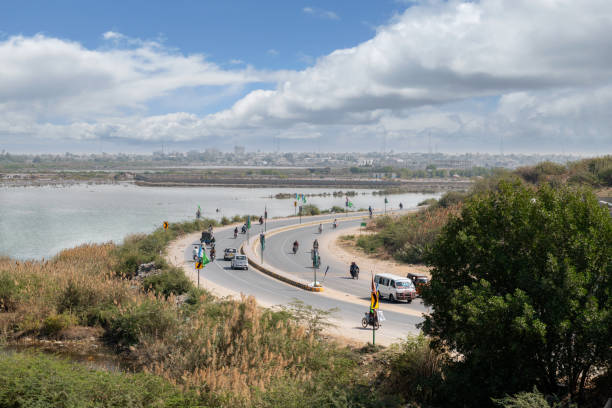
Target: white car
x=394 y=287
x=240 y=262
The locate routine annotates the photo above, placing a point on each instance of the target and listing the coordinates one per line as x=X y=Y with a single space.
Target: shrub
x=415 y=369
x=8 y=292
x=310 y=209
x=451 y=198
x=225 y=221
x=172 y=281
x=55 y=323
x=146 y=318
x=336 y=209
x=45 y=381
x=429 y=201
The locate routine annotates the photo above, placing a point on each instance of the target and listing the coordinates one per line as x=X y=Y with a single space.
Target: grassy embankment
x=405 y=238
x=205 y=351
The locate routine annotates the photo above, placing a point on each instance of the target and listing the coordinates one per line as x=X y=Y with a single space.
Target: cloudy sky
x=85 y=76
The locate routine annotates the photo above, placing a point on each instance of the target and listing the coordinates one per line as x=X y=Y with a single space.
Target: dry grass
x=229 y=352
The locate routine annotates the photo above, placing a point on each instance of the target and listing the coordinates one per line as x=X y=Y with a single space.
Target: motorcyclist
x=315 y=244
x=354 y=270
x=335 y=222
x=236 y=232
x=295 y=246
x=320 y=228
x=244 y=229
x=213 y=253
x=260 y=220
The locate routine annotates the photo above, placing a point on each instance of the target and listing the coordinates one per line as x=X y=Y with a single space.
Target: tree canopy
x=521 y=288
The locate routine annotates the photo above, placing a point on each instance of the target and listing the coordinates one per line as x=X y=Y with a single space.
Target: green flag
x=204 y=258
x=350 y=203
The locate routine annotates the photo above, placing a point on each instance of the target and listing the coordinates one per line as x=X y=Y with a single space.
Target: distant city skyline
x=527 y=76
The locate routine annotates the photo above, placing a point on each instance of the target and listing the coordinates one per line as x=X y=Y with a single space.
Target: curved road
x=278 y=253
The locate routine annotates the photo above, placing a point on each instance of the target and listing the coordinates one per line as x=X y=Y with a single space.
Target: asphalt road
x=271 y=291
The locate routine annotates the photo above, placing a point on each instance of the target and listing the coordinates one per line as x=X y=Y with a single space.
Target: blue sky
x=223 y=30
x=344 y=76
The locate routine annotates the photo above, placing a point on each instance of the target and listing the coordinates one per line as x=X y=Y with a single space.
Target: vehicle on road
x=213 y=254
x=354 y=270
x=419 y=280
x=240 y=262
x=244 y=229
x=235 y=232
x=395 y=287
x=335 y=224
x=296 y=245
x=229 y=254
x=195 y=251
x=370 y=319
x=206 y=237
x=320 y=228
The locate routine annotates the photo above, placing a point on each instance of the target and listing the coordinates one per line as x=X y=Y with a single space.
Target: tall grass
x=226 y=352
x=406 y=237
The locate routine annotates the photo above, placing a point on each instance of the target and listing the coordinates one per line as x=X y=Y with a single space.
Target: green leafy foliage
x=44 y=381
x=173 y=281
x=522 y=283
x=310 y=209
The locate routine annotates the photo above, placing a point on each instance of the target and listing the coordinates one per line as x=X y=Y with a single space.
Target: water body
x=38 y=222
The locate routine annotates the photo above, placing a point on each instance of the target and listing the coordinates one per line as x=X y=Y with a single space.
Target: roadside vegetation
x=197 y=349
x=405 y=238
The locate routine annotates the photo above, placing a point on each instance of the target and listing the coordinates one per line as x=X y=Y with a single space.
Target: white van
x=394 y=287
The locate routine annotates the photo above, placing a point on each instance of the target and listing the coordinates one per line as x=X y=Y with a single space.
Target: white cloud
x=112 y=35
x=544 y=68
x=320 y=13
x=272 y=52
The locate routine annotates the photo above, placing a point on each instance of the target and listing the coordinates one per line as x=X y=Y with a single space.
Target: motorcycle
x=212 y=256
x=335 y=224
x=355 y=272
x=244 y=229
x=370 y=319
x=235 y=233
x=320 y=228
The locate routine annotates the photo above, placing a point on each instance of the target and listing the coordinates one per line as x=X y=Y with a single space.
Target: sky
x=520 y=76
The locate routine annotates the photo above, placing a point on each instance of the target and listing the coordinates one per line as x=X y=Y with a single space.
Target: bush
x=429 y=201
x=148 y=318
x=8 y=292
x=415 y=369
x=336 y=209
x=451 y=198
x=76 y=298
x=225 y=221
x=172 y=281
x=310 y=209
x=44 y=381
x=55 y=323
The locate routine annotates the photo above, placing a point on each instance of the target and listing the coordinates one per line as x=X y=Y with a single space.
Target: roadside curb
x=250 y=244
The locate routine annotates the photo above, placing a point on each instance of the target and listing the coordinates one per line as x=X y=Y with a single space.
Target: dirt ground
x=347 y=251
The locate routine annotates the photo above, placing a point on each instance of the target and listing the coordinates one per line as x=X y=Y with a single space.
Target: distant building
x=239 y=150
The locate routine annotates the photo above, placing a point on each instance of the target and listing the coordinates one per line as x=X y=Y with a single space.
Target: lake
x=38 y=222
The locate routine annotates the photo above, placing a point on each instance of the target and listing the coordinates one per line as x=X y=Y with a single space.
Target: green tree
x=521 y=287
